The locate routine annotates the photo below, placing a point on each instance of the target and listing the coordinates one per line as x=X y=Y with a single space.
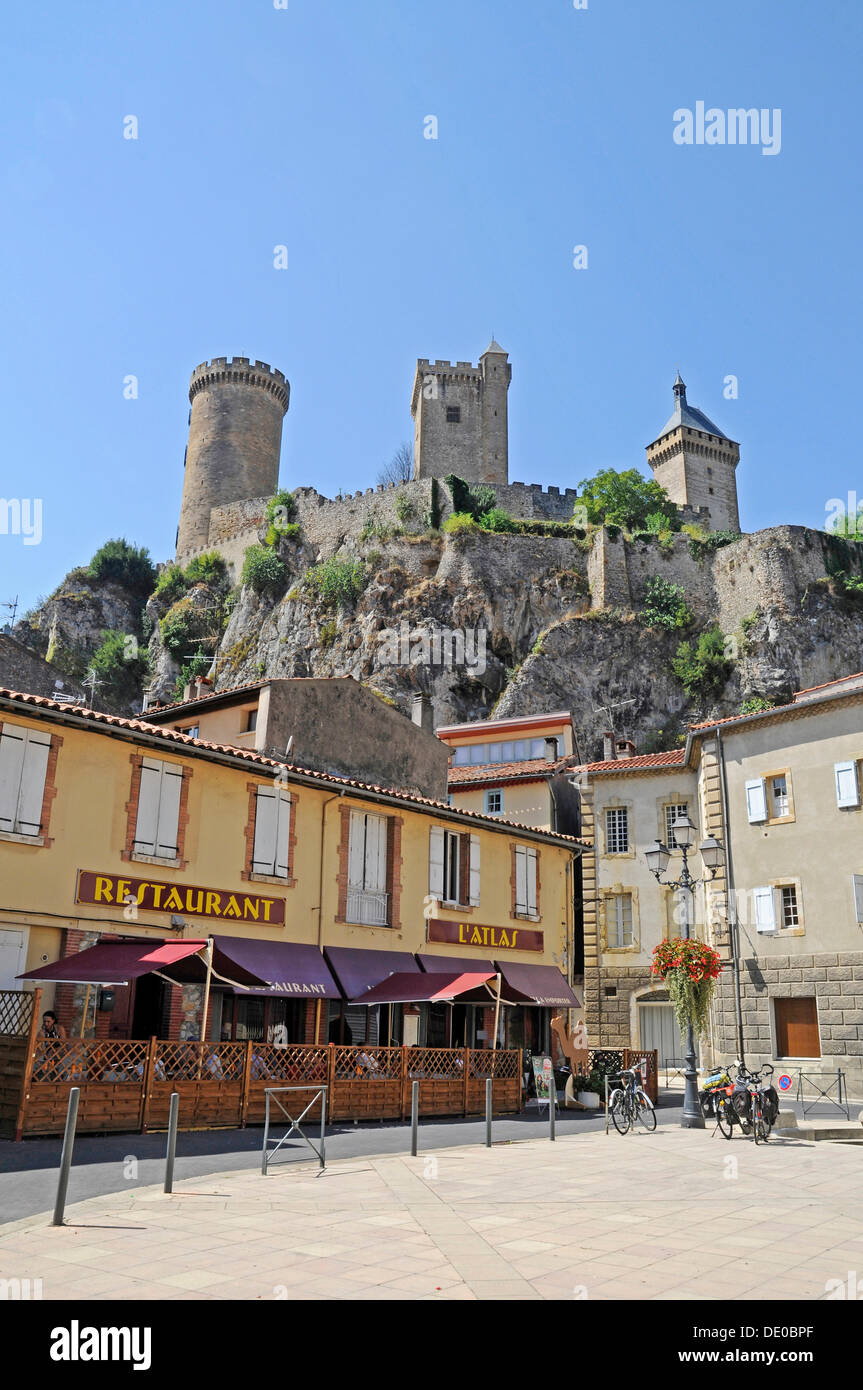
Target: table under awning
x=412 y=987
x=118 y=962
x=358 y=970
x=536 y=984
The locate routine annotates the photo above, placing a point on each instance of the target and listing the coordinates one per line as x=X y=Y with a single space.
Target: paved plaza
x=670 y=1215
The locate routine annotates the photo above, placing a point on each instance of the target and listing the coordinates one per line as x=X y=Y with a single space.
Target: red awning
x=115 y=962
x=358 y=970
x=473 y=964
x=413 y=988
x=536 y=984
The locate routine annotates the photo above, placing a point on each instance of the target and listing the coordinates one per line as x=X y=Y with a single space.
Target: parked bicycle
x=629 y=1104
x=746 y=1101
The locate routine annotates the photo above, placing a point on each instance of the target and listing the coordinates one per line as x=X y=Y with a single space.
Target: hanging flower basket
x=690 y=970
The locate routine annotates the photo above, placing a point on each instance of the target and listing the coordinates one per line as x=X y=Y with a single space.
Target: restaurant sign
x=116 y=891
x=491 y=938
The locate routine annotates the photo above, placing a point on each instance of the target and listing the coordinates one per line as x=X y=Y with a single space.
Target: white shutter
x=756 y=801
x=146 y=826
x=283 y=835
x=12 y=744
x=474 y=871
x=764 y=902
x=266 y=825
x=847 y=792
x=531 y=882
x=356 y=850
x=29 y=816
x=169 y=811
x=520 y=878
x=375 y=880
x=436 y=850
x=857 y=880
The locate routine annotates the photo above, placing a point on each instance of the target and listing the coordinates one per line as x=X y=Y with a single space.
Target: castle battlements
x=240 y=371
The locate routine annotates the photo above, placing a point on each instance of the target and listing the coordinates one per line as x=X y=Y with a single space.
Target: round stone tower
x=235 y=437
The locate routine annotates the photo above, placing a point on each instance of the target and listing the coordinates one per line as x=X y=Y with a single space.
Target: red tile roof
x=199 y=745
x=642 y=762
x=529 y=770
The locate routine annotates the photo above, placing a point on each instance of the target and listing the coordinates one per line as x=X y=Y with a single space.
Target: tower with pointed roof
x=695 y=463
x=460 y=418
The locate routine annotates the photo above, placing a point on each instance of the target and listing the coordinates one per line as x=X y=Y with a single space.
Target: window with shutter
x=857 y=885
x=272 y=833
x=474 y=871
x=847 y=789
x=532 y=894
x=436 y=852
x=618 y=911
x=764 y=903
x=23 y=770
x=367 y=869
x=452 y=867
x=158 y=818
x=521 y=880
x=756 y=801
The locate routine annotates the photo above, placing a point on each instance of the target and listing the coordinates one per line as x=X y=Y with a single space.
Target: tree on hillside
x=400 y=468
x=624 y=499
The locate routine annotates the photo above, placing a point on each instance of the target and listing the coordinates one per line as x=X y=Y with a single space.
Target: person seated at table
x=366 y=1064
x=213 y=1064
x=258 y=1069
x=50 y=1027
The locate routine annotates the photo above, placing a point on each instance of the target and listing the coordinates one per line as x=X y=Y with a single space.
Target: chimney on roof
x=608 y=753
x=551 y=750
x=624 y=748
x=422 y=713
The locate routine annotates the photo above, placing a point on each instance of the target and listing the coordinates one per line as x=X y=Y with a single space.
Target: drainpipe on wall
x=320 y=908
x=731 y=896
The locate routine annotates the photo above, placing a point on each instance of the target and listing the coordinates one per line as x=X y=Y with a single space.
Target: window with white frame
x=674 y=811
x=367 y=869
x=23 y=770
x=618 y=921
x=454 y=867
x=158 y=819
x=494 y=802
x=526 y=881
x=779 y=798
x=617 y=830
x=271 y=855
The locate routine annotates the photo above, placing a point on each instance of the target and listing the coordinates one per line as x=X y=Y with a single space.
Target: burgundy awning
x=411 y=987
x=116 y=962
x=536 y=984
x=287 y=969
x=456 y=963
x=358 y=970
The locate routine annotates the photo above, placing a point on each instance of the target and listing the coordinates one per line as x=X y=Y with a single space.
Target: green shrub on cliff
x=702 y=668
x=262 y=569
x=337 y=581
x=665 y=605
x=124 y=564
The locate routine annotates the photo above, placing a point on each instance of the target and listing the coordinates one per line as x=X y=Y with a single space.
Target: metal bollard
x=415 y=1116
x=66 y=1156
x=488 y=1113
x=172 y=1141
x=552 y=1102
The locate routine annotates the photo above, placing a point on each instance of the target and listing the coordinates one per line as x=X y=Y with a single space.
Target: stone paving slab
x=672 y=1215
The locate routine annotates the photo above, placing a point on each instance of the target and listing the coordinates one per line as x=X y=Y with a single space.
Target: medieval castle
x=460 y=426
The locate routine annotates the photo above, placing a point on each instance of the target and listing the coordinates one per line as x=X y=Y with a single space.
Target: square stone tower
x=460 y=418
x=695 y=463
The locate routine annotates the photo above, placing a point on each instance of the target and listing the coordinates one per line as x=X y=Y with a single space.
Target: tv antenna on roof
x=91 y=683
x=13 y=609
x=609 y=710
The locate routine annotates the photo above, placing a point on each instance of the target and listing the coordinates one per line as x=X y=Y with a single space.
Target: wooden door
x=797 y=1028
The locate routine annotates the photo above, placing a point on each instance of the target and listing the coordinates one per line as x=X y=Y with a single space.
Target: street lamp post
x=712 y=857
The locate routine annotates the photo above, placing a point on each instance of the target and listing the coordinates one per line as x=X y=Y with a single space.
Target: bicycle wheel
x=760 y=1127
x=724 y=1120
x=620 y=1112
x=644 y=1111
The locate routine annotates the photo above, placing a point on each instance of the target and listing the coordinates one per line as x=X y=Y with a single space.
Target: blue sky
x=304 y=127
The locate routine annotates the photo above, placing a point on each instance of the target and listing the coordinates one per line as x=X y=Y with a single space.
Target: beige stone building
x=783 y=792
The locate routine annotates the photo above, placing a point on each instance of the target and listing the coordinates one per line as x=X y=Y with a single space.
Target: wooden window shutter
x=436 y=853
x=764 y=901
x=847 y=790
x=531 y=882
x=797 y=1032
x=375 y=875
x=13 y=741
x=857 y=882
x=756 y=801
x=474 y=871
x=283 y=835
x=147 y=823
x=23 y=769
x=521 y=879
x=169 y=811
x=357 y=850
x=264 y=856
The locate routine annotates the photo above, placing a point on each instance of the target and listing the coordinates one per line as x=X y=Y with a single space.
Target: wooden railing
x=126 y=1085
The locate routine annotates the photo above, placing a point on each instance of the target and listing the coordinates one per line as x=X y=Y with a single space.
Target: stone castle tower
x=695 y=463
x=460 y=418
x=235 y=437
